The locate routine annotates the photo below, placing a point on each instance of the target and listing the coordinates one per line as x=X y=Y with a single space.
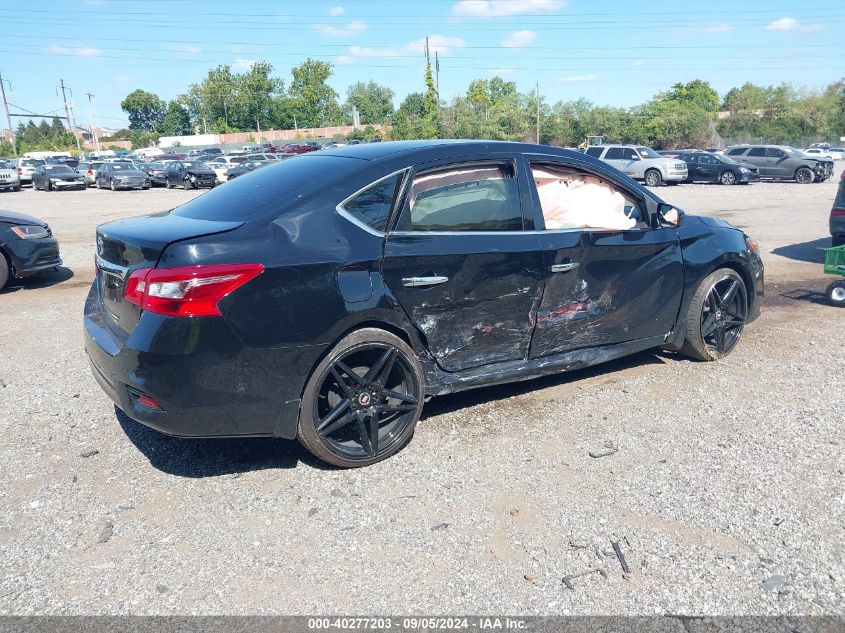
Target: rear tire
x=804 y=175
x=716 y=316
x=4 y=271
x=167 y=184
x=369 y=387
x=653 y=178
x=835 y=293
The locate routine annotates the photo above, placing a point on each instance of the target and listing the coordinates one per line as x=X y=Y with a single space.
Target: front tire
x=804 y=176
x=653 y=178
x=835 y=293
x=363 y=400
x=167 y=184
x=716 y=316
x=187 y=185
x=111 y=185
x=4 y=271
x=727 y=178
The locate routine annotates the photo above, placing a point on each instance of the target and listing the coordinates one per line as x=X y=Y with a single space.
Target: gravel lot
x=725 y=496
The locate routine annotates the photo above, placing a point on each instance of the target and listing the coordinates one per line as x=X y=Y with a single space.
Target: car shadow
x=453 y=402
x=812 y=252
x=40 y=280
x=213 y=457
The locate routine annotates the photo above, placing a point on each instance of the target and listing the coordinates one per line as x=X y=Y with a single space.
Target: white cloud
x=336 y=11
x=573 y=79
x=79 y=51
x=783 y=24
x=243 y=65
x=184 y=48
x=718 y=27
x=499 y=8
x=344 y=59
x=519 y=39
x=353 y=28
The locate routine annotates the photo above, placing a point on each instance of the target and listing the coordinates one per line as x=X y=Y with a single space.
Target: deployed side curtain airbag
x=574 y=200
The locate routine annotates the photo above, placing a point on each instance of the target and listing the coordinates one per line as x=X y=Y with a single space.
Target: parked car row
x=739 y=164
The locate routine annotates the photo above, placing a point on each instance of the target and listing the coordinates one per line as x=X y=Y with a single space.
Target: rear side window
x=594 y=151
x=737 y=151
x=268 y=191
x=481 y=197
x=757 y=151
x=372 y=205
x=614 y=153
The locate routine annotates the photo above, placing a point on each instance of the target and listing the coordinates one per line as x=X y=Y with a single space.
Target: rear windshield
x=59 y=169
x=264 y=192
x=32 y=162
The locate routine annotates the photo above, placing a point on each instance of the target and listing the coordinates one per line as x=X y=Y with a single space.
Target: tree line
x=685 y=115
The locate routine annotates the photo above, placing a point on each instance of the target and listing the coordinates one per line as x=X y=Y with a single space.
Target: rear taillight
x=90 y=172
x=190 y=291
x=837 y=212
x=20 y=171
x=753 y=246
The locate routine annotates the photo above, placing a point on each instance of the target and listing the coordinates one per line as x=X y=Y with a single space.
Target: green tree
x=176 y=120
x=407 y=117
x=430 y=123
x=145 y=110
x=314 y=101
x=374 y=102
x=697 y=93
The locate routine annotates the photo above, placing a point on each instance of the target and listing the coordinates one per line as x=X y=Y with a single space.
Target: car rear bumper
x=29 y=257
x=207 y=383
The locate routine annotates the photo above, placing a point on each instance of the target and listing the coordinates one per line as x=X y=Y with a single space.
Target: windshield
x=725 y=160
x=647 y=152
x=195 y=164
x=122 y=166
x=796 y=153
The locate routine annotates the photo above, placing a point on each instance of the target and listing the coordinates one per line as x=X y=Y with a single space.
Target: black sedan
x=707 y=167
x=121 y=175
x=325 y=298
x=51 y=177
x=27 y=247
x=189 y=174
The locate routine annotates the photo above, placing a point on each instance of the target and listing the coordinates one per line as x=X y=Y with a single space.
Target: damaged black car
x=326 y=298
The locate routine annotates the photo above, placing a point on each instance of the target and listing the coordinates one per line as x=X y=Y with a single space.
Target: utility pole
x=70 y=123
x=93 y=129
x=437 y=75
x=8 y=116
x=427 y=58
x=538 y=112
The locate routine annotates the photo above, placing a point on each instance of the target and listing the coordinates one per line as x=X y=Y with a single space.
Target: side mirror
x=669 y=216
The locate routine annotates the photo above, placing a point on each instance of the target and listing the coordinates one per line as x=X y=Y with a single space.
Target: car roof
x=393 y=149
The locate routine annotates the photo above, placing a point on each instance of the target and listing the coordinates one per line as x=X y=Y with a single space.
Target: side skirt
x=439 y=382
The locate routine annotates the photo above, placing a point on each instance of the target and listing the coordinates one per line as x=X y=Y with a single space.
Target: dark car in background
x=707 y=167
x=327 y=297
x=781 y=162
x=56 y=177
x=27 y=247
x=244 y=167
x=837 y=215
x=189 y=174
x=121 y=175
x=155 y=171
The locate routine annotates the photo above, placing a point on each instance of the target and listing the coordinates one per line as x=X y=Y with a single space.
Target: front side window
x=629 y=153
x=775 y=153
x=689 y=158
x=372 y=205
x=480 y=197
x=574 y=199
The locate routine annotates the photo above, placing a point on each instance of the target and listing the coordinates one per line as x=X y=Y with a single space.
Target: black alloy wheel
x=727 y=178
x=363 y=400
x=717 y=316
x=804 y=176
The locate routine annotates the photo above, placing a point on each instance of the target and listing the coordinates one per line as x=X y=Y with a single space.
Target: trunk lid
x=127 y=245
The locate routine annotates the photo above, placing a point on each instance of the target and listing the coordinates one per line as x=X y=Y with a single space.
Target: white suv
x=641 y=163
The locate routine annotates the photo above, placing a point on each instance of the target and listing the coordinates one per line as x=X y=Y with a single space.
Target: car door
x=777 y=164
x=461 y=263
x=615 y=157
x=708 y=168
x=602 y=285
x=757 y=156
x=693 y=166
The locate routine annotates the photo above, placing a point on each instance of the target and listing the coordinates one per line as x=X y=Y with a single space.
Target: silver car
x=641 y=163
x=25 y=167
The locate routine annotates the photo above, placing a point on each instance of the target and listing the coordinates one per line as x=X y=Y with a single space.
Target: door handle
x=562 y=268
x=413 y=282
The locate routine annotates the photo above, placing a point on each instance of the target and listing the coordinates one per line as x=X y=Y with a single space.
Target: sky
x=611 y=52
